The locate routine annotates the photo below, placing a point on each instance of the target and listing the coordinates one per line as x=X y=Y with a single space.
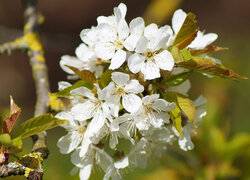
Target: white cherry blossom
x=85 y=60
x=93 y=108
x=76 y=130
x=149 y=57
x=122 y=87
x=112 y=33
x=153 y=112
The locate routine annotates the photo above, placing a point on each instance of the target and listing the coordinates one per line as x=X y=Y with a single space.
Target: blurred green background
x=222 y=144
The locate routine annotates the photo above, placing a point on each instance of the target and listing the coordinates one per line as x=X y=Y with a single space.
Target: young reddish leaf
x=9 y=122
x=188 y=40
x=84 y=74
x=208 y=49
x=210 y=67
x=187 y=33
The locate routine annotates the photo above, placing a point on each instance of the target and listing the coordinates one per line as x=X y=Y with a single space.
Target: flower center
x=120 y=90
x=118 y=44
x=81 y=129
x=149 y=55
x=148 y=108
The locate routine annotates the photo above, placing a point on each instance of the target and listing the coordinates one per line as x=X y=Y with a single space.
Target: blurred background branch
x=30 y=42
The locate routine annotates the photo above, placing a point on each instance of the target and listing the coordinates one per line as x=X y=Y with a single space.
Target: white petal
x=70 y=61
x=115 y=105
x=85 y=172
x=134 y=87
x=185 y=142
x=69 y=142
x=118 y=59
x=120 y=164
x=105 y=50
x=163 y=105
x=142 y=125
x=164 y=60
x=97 y=122
x=83 y=111
x=62 y=85
x=156 y=123
x=75 y=158
x=85 y=146
x=89 y=36
x=106 y=20
x=135 y=62
x=200 y=101
x=131 y=42
x=137 y=26
x=106 y=33
x=131 y=102
x=163 y=116
x=83 y=91
x=123 y=9
x=120 y=78
x=83 y=52
x=178 y=19
x=201 y=41
x=149 y=99
x=150 y=30
x=150 y=70
x=108 y=91
x=123 y=29
x=141 y=45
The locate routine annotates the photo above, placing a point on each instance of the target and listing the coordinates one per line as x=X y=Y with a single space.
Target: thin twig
x=30 y=41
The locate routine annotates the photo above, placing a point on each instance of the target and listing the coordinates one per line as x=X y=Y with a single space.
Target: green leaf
x=208 y=49
x=186 y=106
x=5 y=140
x=16 y=145
x=9 y=122
x=178 y=57
x=66 y=92
x=105 y=78
x=84 y=74
x=186 y=54
x=187 y=32
x=177 y=79
x=175 y=116
x=38 y=124
x=208 y=66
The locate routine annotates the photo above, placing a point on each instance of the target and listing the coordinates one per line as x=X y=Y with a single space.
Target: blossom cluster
x=125 y=115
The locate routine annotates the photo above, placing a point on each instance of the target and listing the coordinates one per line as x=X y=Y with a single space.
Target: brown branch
x=30 y=41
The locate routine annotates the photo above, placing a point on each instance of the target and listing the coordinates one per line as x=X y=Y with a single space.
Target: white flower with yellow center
x=76 y=131
x=153 y=112
x=150 y=55
x=93 y=108
x=112 y=33
x=123 y=87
